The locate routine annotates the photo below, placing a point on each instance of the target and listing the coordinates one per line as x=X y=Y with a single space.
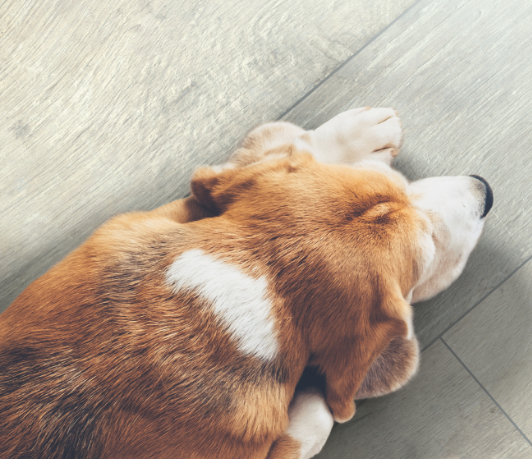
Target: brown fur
x=391 y=369
x=101 y=359
x=285 y=448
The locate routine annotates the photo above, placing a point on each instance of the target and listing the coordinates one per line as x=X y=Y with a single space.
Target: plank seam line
x=485 y=390
x=349 y=59
x=440 y=336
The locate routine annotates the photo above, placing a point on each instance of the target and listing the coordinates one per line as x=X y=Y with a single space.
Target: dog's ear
x=388 y=320
x=399 y=361
x=203 y=185
x=392 y=369
x=217 y=187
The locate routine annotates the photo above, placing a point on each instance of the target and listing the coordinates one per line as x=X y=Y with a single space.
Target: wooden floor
x=107 y=107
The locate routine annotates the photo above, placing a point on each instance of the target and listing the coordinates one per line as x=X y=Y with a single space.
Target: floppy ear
x=388 y=321
x=216 y=187
x=392 y=369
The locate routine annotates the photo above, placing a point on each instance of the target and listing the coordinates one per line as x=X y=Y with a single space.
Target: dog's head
x=455 y=208
x=421 y=233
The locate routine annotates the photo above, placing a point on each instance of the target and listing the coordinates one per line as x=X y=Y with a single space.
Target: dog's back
x=104 y=357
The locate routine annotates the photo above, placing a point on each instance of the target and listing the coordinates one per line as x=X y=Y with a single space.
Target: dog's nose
x=488 y=203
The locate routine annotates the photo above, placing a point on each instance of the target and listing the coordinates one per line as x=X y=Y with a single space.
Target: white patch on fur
x=238 y=300
x=310 y=422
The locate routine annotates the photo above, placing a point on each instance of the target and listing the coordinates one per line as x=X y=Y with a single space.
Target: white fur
x=454 y=206
x=310 y=422
x=355 y=135
x=238 y=300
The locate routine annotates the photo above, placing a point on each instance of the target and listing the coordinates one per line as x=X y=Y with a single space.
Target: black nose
x=488 y=204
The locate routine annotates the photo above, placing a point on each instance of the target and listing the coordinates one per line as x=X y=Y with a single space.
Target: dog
x=183 y=332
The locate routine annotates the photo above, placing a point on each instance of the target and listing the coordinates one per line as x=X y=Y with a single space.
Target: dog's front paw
x=386 y=133
x=355 y=135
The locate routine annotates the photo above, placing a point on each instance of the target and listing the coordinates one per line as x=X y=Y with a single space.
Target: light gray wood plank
x=495 y=342
x=441 y=414
x=459 y=74
x=107 y=106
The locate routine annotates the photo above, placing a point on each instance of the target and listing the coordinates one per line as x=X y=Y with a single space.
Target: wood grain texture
x=459 y=74
x=107 y=107
x=441 y=414
x=495 y=342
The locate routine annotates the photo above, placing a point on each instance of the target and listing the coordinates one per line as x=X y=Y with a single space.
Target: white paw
x=310 y=422
x=354 y=135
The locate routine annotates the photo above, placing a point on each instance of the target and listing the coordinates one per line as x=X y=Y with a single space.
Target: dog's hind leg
x=310 y=425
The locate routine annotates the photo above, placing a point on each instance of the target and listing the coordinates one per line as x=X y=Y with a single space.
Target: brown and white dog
x=183 y=332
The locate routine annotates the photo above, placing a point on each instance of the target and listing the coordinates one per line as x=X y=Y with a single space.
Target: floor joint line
x=485 y=390
x=440 y=336
x=349 y=59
